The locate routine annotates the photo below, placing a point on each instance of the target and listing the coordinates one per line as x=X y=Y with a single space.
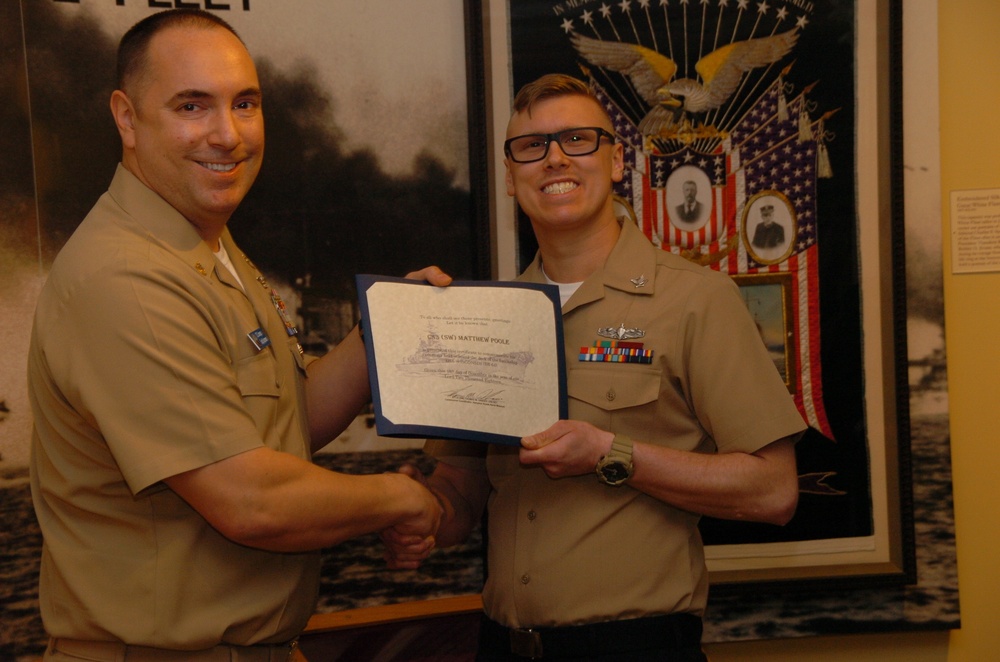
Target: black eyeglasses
x=573 y=142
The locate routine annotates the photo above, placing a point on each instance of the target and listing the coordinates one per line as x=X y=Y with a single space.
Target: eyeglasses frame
x=554 y=137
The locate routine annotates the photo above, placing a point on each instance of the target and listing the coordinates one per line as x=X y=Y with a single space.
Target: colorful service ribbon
x=616 y=351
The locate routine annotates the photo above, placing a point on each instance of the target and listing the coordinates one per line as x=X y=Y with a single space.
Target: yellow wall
x=969 y=52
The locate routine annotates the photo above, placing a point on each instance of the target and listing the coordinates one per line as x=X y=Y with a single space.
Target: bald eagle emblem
x=652 y=74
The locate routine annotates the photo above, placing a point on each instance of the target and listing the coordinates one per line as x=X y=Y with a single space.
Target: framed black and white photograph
x=769 y=225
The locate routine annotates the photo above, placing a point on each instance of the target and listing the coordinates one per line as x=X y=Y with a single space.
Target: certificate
x=473 y=360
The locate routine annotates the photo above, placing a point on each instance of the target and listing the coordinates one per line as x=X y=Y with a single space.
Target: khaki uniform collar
x=169 y=227
x=631 y=268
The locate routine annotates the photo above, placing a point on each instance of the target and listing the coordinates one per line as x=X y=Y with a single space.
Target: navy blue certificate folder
x=475 y=360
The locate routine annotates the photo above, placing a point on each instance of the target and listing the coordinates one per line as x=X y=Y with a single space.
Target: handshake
x=412 y=540
x=448 y=504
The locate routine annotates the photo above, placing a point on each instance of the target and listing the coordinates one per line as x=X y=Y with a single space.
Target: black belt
x=672 y=632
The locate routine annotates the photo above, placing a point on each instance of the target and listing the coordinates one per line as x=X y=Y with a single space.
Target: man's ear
x=508 y=178
x=124 y=114
x=617 y=162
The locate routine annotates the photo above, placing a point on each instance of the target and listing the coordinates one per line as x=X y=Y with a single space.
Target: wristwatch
x=616 y=467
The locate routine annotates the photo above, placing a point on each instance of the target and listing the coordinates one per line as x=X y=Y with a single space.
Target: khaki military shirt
x=574 y=550
x=141 y=368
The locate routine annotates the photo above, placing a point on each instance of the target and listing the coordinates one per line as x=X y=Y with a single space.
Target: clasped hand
x=567 y=448
x=405 y=546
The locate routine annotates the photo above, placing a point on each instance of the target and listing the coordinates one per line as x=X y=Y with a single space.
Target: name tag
x=259 y=338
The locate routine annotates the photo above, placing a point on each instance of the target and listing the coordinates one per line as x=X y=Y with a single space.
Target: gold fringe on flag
x=805 y=124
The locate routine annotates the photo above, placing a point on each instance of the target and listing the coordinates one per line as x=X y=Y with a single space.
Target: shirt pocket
x=614 y=387
x=257 y=376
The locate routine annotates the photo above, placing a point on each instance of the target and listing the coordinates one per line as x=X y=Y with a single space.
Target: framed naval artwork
x=768 y=297
x=796 y=165
x=367 y=170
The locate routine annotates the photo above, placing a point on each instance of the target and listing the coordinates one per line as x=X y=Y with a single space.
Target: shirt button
x=525 y=579
x=611 y=395
x=532 y=515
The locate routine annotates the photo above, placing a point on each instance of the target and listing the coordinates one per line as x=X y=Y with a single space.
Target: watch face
x=615 y=472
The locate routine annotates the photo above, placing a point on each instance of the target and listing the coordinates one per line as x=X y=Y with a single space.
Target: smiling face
x=559 y=191
x=191 y=123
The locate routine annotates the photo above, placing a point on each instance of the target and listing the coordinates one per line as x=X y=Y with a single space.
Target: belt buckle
x=526 y=642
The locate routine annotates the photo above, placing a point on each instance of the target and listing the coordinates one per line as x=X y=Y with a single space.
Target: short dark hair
x=133 y=48
x=549 y=86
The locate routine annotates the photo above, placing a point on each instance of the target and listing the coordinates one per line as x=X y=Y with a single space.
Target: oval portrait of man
x=689 y=198
x=769 y=227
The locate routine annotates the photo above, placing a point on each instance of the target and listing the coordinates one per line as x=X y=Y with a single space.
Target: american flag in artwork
x=766 y=164
x=722 y=152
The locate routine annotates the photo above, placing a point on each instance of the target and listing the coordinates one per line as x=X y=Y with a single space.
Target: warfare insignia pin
x=620 y=333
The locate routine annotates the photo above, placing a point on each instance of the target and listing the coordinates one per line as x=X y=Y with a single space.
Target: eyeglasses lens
x=574 y=142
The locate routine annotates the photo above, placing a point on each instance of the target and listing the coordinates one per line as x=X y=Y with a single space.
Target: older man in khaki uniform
x=175 y=413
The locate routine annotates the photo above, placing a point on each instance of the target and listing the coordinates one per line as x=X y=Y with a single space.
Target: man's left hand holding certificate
x=473 y=360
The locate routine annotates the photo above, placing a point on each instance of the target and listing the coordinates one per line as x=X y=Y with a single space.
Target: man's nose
x=225 y=130
x=556 y=155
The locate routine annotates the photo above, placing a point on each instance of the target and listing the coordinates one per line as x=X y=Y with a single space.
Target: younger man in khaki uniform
x=611 y=566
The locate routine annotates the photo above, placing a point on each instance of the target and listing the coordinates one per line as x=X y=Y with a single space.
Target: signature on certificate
x=469 y=393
